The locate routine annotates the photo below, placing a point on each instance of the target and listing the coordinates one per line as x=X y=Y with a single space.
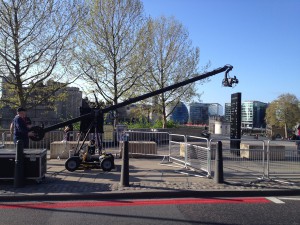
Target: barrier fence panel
x=198 y=153
x=177 y=148
x=47 y=140
x=159 y=141
x=109 y=143
x=245 y=163
x=252 y=159
x=7 y=140
x=148 y=143
x=283 y=160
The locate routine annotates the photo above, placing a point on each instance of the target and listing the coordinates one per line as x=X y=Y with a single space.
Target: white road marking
x=291 y=198
x=275 y=200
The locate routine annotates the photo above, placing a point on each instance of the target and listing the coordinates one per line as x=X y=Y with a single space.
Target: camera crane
x=96 y=120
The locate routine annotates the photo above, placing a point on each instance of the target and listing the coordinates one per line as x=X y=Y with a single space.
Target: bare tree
x=172 y=59
x=34 y=48
x=110 y=50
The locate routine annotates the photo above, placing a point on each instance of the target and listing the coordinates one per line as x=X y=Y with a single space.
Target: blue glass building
x=180 y=114
x=199 y=113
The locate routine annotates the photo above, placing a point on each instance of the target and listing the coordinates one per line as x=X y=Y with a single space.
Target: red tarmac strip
x=114 y=203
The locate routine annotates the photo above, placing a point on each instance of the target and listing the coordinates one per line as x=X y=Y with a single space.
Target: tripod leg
x=99 y=140
x=84 y=139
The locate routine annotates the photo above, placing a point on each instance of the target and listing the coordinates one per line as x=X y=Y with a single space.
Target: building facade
x=218 y=125
x=46 y=113
x=215 y=109
x=180 y=113
x=227 y=113
x=253 y=114
x=198 y=113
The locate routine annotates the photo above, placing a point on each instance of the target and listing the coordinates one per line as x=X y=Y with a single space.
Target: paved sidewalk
x=148 y=178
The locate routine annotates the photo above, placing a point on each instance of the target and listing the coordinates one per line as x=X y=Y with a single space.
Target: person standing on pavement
x=21 y=127
x=28 y=123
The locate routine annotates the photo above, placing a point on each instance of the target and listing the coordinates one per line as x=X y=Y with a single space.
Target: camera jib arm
x=96 y=115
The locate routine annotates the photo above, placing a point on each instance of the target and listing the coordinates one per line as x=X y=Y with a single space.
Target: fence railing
x=7 y=140
x=190 y=151
x=251 y=160
x=148 y=143
x=198 y=153
x=283 y=159
x=178 y=148
x=247 y=161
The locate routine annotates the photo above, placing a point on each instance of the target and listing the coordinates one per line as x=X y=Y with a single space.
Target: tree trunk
x=285 y=131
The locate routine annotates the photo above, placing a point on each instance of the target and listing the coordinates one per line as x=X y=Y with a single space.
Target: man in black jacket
x=21 y=127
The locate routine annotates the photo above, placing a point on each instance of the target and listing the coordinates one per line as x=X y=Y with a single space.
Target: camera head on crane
x=229 y=81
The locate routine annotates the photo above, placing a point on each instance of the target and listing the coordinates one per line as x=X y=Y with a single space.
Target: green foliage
x=76 y=126
x=156 y=125
x=284 y=112
x=169 y=124
x=138 y=125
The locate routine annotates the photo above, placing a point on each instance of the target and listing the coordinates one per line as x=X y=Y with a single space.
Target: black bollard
x=219 y=178
x=125 y=166
x=19 y=178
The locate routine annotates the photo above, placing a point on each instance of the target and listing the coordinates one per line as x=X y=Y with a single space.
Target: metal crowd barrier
x=246 y=162
x=7 y=140
x=254 y=159
x=283 y=160
x=177 y=149
x=198 y=153
x=258 y=160
x=148 y=143
x=190 y=152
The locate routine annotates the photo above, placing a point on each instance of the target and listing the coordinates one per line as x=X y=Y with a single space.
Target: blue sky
x=259 y=38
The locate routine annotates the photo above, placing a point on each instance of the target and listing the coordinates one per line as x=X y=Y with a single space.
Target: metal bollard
x=125 y=166
x=19 y=178
x=219 y=178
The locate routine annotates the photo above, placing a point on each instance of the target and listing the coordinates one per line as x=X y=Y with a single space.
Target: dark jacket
x=20 y=130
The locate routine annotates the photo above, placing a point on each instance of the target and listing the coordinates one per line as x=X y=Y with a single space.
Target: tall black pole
x=218 y=177
x=125 y=166
x=235 y=123
x=19 y=178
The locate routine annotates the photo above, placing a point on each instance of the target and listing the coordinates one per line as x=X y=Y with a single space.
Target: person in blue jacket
x=21 y=128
